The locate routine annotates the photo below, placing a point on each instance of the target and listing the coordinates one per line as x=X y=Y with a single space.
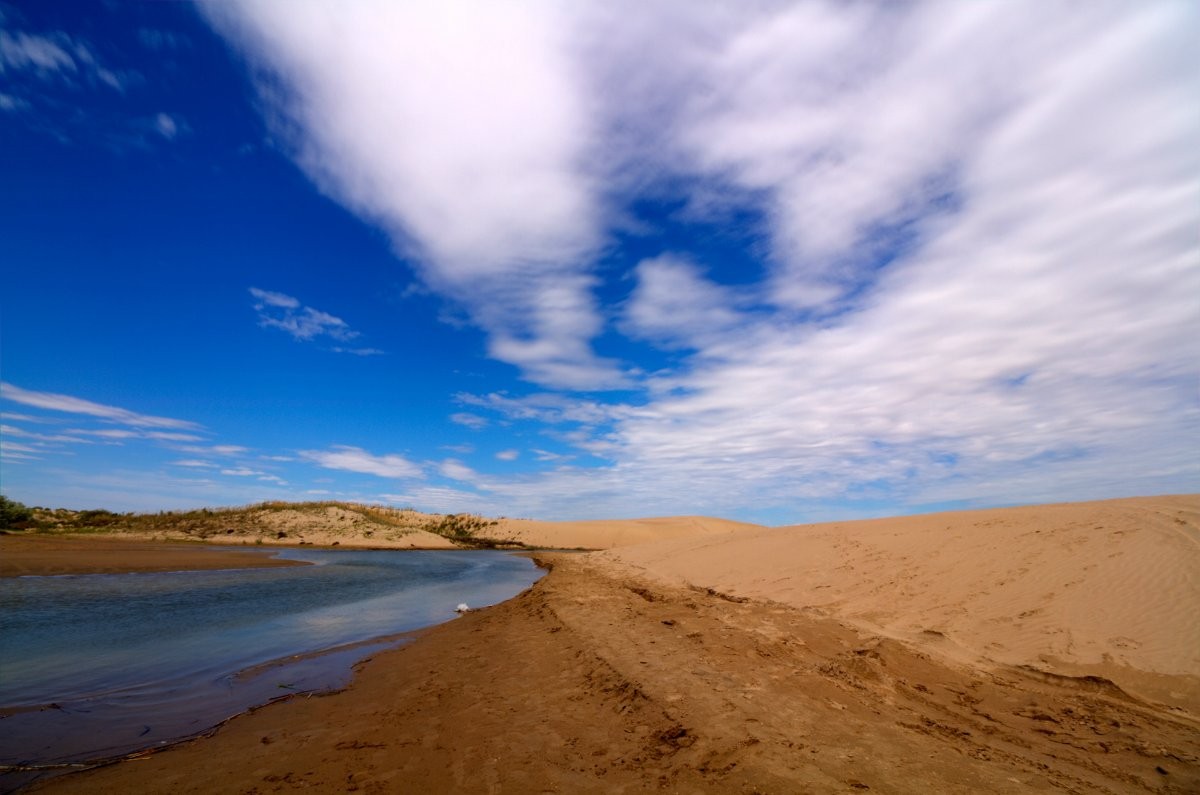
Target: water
x=98 y=665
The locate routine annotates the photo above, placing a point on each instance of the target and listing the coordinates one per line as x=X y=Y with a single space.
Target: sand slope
x=606 y=534
x=1109 y=588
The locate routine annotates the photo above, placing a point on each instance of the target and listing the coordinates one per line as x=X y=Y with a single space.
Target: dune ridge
x=1108 y=588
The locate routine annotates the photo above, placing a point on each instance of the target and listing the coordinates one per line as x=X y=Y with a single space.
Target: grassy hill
x=278 y=523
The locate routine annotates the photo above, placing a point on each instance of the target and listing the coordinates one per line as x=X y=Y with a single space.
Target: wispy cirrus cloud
x=303 y=323
x=356 y=459
x=73 y=405
x=224 y=450
x=15 y=451
x=14 y=430
x=469 y=420
x=194 y=463
x=53 y=56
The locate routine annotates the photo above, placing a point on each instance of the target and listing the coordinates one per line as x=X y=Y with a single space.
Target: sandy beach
x=1049 y=648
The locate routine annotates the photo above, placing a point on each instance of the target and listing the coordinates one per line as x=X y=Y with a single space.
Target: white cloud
x=13 y=430
x=243 y=472
x=473 y=421
x=109 y=433
x=268 y=298
x=459 y=128
x=195 y=463
x=457 y=470
x=979 y=226
x=74 y=405
x=44 y=54
x=225 y=450
x=166 y=125
x=9 y=103
x=546 y=455
x=54 y=57
x=122 y=433
x=276 y=310
x=1032 y=343
x=19 y=452
x=676 y=306
x=545 y=407
x=9 y=416
x=508 y=455
x=355 y=459
x=169 y=436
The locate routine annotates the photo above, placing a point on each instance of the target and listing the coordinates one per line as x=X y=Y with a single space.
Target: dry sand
x=1106 y=588
x=823 y=659
x=335 y=526
x=23 y=555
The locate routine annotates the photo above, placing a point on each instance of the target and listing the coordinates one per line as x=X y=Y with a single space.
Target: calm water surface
x=103 y=664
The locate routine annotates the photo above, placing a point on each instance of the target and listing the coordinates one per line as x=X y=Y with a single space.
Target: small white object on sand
x=462 y=608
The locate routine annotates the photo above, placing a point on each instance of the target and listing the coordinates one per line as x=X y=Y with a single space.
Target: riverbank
x=26 y=554
x=643 y=669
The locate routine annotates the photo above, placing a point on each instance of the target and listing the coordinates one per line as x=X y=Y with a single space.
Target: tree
x=13 y=513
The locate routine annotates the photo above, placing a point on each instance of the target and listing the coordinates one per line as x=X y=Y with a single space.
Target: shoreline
x=1031 y=649
x=56 y=555
x=598 y=680
x=56 y=725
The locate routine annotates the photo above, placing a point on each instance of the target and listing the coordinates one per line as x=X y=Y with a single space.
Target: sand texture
x=823 y=659
x=591 y=682
x=337 y=526
x=1106 y=588
x=41 y=555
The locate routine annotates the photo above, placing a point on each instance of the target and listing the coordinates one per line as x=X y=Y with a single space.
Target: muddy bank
x=22 y=555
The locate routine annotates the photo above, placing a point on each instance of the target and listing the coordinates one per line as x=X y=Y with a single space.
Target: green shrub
x=13 y=514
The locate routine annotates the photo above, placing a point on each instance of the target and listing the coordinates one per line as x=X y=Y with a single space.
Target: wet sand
x=639 y=670
x=22 y=555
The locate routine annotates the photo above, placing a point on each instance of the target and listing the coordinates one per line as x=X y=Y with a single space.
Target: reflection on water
x=139 y=659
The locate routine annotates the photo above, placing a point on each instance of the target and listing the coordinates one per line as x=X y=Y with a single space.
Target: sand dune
x=948 y=653
x=606 y=534
x=1108 y=588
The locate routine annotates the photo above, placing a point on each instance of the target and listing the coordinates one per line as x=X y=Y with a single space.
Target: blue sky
x=787 y=263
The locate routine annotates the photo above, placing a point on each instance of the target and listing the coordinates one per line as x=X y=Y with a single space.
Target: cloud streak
x=355 y=459
x=73 y=405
